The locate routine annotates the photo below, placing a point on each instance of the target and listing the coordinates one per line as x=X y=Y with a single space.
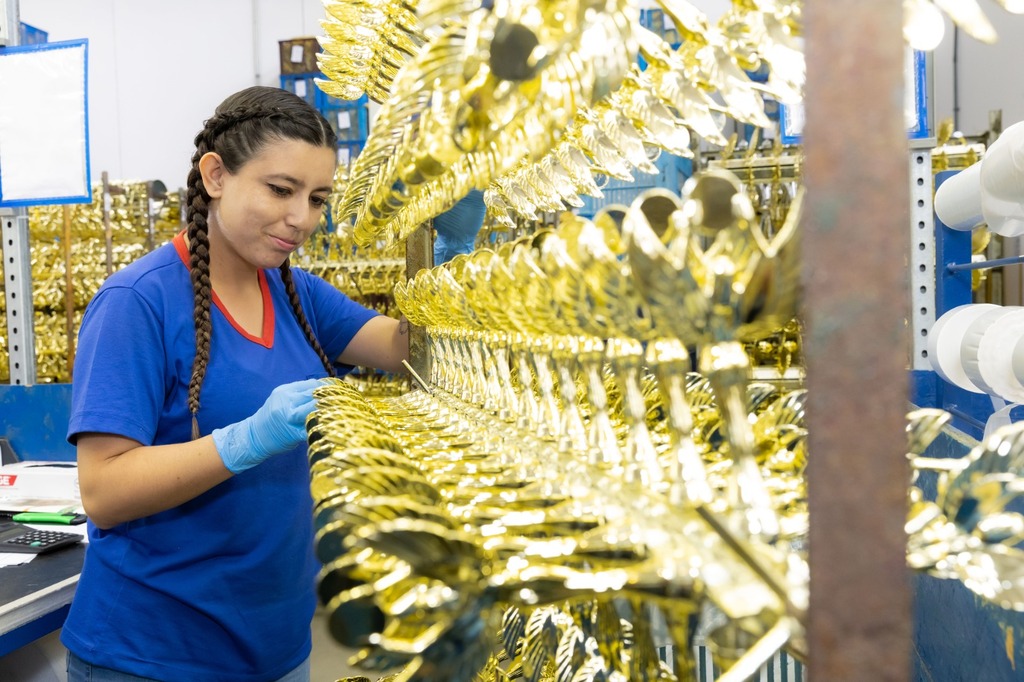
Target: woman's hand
x=278 y=426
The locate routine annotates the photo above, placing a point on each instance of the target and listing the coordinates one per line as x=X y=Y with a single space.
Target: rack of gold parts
x=566 y=499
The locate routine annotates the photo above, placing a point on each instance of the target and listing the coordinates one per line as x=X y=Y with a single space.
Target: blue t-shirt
x=221 y=587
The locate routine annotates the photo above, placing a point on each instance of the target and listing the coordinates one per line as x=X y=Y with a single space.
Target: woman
x=193 y=379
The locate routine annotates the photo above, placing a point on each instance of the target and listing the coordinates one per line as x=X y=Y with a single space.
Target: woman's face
x=270 y=206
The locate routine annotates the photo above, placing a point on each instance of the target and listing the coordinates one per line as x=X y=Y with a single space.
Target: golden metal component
x=366 y=43
x=475 y=119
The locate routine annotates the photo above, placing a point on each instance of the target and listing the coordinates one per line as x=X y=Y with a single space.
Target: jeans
x=80 y=671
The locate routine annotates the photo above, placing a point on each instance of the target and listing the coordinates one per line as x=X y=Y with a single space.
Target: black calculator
x=17 y=537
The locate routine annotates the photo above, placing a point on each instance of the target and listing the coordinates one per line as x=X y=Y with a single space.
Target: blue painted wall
x=958 y=637
x=34 y=419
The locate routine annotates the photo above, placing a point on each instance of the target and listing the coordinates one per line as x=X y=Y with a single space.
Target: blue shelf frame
x=970 y=411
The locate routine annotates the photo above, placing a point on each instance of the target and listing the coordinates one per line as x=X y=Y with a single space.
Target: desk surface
x=43 y=585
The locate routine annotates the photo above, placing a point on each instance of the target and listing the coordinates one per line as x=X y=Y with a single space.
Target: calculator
x=17 y=537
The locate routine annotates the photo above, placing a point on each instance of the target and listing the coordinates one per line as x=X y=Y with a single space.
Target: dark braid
x=293 y=297
x=199 y=252
x=240 y=128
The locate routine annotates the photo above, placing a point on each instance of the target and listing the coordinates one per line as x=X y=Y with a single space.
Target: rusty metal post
x=419 y=254
x=856 y=344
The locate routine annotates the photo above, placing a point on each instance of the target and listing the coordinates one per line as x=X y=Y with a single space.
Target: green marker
x=45 y=517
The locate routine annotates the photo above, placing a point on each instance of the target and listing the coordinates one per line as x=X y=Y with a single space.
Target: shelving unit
x=951 y=289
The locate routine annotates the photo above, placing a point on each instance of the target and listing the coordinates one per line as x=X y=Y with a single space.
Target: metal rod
x=182 y=209
x=108 y=232
x=921 y=231
x=417 y=377
x=150 y=235
x=856 y=340
x=985 y=264
x=21 y=343
x=965 y=417
x=419 y=255
x=69 y=292
x=773 y=582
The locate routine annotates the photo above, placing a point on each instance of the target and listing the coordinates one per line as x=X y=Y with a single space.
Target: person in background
x=193 y=379
x=458 y=226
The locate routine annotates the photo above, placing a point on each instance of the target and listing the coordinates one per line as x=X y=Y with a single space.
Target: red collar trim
x=267 y=338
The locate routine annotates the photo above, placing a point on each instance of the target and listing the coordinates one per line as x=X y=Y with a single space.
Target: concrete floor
x=330 y=659
x=43 y=660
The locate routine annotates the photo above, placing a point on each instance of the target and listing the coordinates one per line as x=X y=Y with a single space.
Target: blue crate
x=348 y=151
x=302 y=85
x=350 y=119
x=672 y=173
x=350 y=124
x=30 y=35
x=325 y=101
x=655 y=21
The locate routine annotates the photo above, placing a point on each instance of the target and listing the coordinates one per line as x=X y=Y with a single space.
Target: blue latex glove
x=457 y=227
x=278 y=426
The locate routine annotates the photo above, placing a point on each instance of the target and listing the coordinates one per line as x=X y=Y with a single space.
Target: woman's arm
x=382 y=343
x=122 y=480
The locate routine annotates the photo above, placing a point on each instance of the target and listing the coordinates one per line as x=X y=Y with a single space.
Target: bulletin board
x=44 y=124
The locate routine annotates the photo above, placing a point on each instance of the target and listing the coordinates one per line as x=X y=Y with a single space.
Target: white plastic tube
x=946 y=340
x=1002 y=183
x=958 y=199
x=990 y=191
x=995 y=356
x=978 y=366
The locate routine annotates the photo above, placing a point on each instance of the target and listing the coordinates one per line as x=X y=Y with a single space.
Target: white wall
x=158 y=68
x=990 y=75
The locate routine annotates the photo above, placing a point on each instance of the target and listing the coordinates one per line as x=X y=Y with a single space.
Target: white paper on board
x=43 y=132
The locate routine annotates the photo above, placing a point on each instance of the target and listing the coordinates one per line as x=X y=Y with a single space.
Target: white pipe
x=990 y=191
x=10 y=23
x=958 y=199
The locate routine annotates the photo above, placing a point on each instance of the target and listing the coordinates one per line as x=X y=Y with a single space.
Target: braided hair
x=240 y=128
